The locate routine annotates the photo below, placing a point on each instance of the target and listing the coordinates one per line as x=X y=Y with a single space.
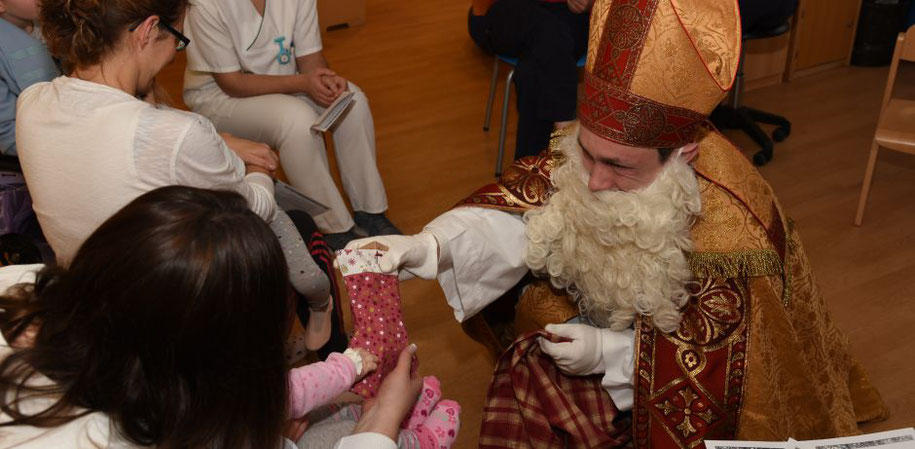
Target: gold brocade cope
x=541 y=304
x=757 y=356
x=525 y=184
x=689 y=384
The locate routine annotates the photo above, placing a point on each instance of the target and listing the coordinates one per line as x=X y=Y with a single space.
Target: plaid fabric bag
x=532 y=404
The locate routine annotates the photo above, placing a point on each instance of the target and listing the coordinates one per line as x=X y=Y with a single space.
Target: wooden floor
x=427 y=84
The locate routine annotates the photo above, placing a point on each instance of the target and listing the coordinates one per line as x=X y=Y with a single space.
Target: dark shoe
x=339 y=240
x=375 y=224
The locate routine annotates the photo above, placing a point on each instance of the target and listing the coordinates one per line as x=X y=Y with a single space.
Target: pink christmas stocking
x=377 y=317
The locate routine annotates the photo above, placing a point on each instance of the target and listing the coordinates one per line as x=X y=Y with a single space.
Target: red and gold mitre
x=657 y=68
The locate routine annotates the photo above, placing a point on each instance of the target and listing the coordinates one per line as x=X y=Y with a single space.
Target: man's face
x=619 y=249
x=613 y=166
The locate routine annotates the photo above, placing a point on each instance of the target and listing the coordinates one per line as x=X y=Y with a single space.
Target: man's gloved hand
x=582 y=356
x=408 y=255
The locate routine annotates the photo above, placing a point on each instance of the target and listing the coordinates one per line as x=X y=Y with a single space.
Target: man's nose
x=601 y=178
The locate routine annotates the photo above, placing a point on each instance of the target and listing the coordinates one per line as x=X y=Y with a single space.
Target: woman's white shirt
x=88 y=149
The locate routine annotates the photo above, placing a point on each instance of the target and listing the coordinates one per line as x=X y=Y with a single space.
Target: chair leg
x=783 y=126
x=492 y=92
x=868 y=179
x=508 y=90
x=749 y=126
x=766 y=117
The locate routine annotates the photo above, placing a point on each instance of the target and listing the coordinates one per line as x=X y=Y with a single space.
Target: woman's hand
x=396 y=396
x=253 y=153
x=321 y=85
x=369 y=362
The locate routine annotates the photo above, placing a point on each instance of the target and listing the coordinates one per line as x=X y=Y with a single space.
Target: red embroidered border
x=678 y=406
x=524 y=185
x=630 y=119
x=621 y=40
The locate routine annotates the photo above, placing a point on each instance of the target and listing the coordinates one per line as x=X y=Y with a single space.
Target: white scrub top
x=230 y=36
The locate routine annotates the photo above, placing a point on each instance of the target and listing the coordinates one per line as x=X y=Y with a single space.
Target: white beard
x=617 y=253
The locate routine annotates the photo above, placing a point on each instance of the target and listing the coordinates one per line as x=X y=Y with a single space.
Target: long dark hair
x=170 y=320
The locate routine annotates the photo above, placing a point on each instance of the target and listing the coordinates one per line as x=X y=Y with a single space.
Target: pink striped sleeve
x=314 y=385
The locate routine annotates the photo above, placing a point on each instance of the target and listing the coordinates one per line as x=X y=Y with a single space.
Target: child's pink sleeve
x=314 y=385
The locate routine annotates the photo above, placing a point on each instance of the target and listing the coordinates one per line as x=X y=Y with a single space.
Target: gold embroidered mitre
x=657 y=68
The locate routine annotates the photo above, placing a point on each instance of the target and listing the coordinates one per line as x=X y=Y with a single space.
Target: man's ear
x=2 y=7
x=690 y=152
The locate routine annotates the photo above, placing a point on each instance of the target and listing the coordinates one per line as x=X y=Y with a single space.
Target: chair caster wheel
x=762 y=158
x=781 y=133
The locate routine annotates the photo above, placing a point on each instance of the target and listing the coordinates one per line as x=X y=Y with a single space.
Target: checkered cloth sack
x=532 y=404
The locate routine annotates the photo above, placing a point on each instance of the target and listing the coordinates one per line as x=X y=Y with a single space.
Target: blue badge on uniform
x=284 y=55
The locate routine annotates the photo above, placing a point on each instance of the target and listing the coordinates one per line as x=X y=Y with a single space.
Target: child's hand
x=396 y=396
x=369 y=362
x=295 y=428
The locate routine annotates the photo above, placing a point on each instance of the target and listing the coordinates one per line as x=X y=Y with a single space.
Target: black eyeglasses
x=183 y=40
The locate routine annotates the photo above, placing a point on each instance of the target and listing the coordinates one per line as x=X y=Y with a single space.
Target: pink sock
x=377 y=318
x=440 y=429
x=428 y=397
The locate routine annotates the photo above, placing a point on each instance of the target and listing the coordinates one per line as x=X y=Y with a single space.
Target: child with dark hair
x=163 y=332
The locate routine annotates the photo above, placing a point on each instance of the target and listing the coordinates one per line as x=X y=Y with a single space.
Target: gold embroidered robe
x=756 y=357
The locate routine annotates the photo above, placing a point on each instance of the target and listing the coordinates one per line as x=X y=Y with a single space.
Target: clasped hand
x=323 y=85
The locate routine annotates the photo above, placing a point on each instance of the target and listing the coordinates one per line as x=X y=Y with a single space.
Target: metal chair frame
x=492 y=97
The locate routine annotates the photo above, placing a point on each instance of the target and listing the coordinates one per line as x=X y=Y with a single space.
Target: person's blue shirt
x=24 y=61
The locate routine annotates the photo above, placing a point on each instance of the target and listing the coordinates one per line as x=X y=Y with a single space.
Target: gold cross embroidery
x=686 y=427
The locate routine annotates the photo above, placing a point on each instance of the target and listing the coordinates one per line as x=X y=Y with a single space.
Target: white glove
x=582 y=356
x=409 y=255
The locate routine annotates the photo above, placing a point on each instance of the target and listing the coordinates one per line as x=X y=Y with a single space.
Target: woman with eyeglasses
x=89 y=144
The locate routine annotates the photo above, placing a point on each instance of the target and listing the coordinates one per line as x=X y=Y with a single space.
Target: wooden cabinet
x=823 y=34
x=765 y=61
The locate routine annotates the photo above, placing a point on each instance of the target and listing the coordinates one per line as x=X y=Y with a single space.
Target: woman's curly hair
x=81 y=32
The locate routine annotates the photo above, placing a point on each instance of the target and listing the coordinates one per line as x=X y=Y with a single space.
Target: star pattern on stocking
x=377 y=315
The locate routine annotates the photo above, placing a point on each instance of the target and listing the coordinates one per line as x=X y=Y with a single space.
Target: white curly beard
x=618 y=253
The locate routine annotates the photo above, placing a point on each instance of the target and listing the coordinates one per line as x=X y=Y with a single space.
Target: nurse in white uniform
x=256 y=70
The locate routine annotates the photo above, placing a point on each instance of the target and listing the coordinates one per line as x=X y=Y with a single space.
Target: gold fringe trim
x=735 y=264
